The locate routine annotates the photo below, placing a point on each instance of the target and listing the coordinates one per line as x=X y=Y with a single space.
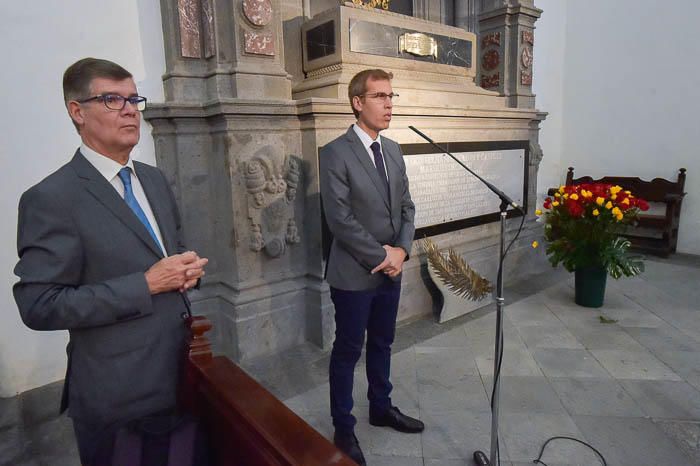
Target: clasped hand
x=179 y=272
x=392 y=263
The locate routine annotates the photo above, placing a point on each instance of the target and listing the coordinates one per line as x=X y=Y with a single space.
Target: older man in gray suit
x=101 y=255
x=368 y=209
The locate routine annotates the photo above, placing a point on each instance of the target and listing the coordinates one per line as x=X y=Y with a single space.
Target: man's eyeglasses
x=380 y=96
x=118 y=102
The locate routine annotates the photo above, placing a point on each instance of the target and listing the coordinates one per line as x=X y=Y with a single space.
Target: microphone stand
x=479 y=457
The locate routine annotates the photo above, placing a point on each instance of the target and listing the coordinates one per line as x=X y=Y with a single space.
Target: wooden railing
x=246 y=424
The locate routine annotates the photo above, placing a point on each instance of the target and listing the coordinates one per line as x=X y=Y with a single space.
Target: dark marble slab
x=320 y=41
x=379 y=39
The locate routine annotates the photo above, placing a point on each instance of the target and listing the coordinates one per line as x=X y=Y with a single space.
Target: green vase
x=590 y=286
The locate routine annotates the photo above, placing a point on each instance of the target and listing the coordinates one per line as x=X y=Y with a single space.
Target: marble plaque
x=445 y=192
x=382 y=39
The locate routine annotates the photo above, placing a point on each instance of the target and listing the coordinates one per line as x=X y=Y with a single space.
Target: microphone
x=504 y=197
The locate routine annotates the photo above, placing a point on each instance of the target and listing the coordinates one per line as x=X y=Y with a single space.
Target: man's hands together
x=392 y=263
x=179 y=272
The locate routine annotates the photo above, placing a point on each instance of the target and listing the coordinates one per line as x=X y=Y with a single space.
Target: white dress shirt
x=110 y=170
x=367 y=142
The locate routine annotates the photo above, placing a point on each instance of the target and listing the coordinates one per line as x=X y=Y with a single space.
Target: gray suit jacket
x=82 y=258
x=358 y=212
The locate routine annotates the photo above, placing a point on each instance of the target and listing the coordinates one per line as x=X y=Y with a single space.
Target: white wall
x=630 y=93
x=39 y=41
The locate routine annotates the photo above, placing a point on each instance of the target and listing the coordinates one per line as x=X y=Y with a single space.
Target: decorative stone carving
x=491 y=39
x=490 y=60
x=271 y=194
x=258 y=12
x=259 y=43
x=528 y=38
x=526 y=57
x=535 y=153
x=493 y=80
x=526 y=78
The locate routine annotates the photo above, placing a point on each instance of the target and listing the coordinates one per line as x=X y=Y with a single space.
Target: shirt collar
x=106 y=166
x=365 y=138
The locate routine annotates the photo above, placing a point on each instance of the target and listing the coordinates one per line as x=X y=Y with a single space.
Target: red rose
x=547 y=203
x=642 y=204
x=574 y=208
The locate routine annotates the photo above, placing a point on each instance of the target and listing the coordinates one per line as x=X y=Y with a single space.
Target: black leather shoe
x=348 y=444
x=397 y=420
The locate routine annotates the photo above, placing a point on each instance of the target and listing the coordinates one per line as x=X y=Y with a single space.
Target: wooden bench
x=656 y=232
x=246 y=424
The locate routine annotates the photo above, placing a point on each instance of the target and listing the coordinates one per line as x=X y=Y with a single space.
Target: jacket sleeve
x=408 y=212
x=50 y=294
x=335 y=196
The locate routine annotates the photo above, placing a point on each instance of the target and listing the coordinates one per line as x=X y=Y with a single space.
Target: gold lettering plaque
x=418 y=44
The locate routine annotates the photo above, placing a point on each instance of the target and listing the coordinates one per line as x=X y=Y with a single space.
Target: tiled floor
x=630 y=388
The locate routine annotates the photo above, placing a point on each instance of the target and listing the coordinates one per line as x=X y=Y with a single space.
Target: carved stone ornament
x=526 y=78
x=528 y=37
x=259 y=43
x=488 y=82
x=383 y=4
x=490 y=60
x=271 y=191
x=535 y=153
x=258 y=12
x=491 y=39
x=526 y=57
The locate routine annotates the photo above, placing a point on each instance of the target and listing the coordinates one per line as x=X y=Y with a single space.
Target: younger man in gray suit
x=101 y=255
x=368 y=209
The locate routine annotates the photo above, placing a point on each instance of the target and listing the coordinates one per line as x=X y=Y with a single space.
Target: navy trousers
x=356 y=311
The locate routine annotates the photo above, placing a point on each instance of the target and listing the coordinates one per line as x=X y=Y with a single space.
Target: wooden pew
x=247 y=425
x=656 y=233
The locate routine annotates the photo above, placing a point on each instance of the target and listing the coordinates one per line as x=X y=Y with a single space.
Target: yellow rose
x=561 y=189
x=615 y=189
x=565 y=196
x=626 y=201
x=538 y=212
x=574 y=197
x=616 y=211
x=557 y=195
x=613 y=197
x=599 y=200
x=586 y=194
x=619 y=216
x=595 y=212
x=608 y=205
x=535 y=244
x=555 y=203
x=628 y=192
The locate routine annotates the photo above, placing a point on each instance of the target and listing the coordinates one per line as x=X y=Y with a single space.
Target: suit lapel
x=155 y=199
x=394 y=170
x=362 y=155
x=105 y=193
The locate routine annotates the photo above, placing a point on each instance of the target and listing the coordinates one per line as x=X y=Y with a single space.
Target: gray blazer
x=82 y=258
x=358 y=212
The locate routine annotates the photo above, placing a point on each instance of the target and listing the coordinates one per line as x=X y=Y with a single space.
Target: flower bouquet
x=583 y=224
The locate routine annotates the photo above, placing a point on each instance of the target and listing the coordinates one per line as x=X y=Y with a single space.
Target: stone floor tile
x=526 y=395
x=316 y=400
x=548 y=336
x=577 y=316
x=610 y=336
x=685 y=434
x=665 y=338
x=403 y=364
x=444 y=364
x=630 y=441
x=376 y=460
x=404 y=394
x=456 y=434
x=531 y=313
x=452 y=338
x=13 y=444
x=633 y=317
x=665 y=399
x=560 y=362
x=437 y=396
x=517 y=362
x=595 y=397
x=524 y=435
x=684 y=363
x=54 y=439
x=41 y=404
x=634 y=365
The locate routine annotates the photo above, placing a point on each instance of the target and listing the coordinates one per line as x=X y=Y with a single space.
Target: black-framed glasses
x=118 y=102
x=380 y=96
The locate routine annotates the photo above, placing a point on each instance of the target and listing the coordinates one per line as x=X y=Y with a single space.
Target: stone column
x=228 y=139
x=505 y=49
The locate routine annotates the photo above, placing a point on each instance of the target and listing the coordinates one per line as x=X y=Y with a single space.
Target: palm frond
x=456 y=274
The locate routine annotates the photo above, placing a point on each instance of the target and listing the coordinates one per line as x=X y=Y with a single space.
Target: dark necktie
x=130 y=199
x=379 y=163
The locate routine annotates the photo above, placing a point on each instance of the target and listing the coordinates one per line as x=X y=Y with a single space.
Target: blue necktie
x=379 y=163
x=125 y=176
